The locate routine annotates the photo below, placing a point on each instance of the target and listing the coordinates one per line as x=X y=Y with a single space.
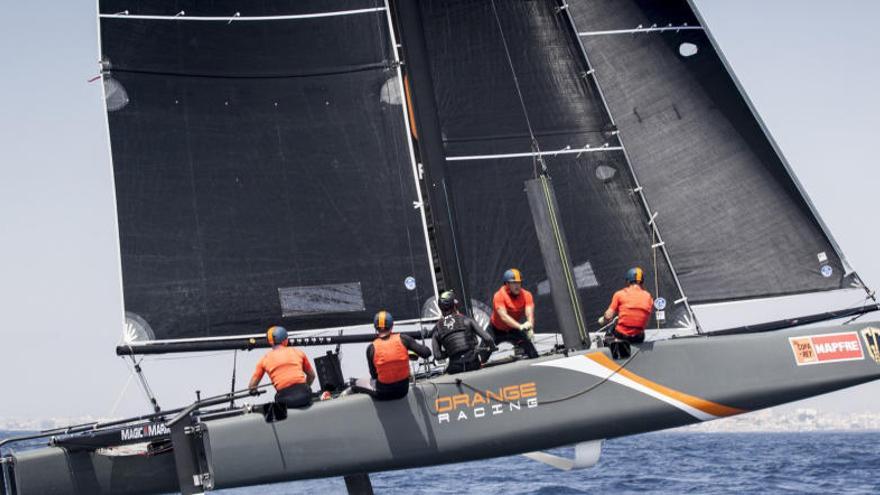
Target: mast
x=427 y=124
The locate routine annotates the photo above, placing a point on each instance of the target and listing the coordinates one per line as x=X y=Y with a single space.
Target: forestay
x=262 y=169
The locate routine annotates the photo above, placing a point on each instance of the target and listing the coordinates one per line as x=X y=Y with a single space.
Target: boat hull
x=508 y=409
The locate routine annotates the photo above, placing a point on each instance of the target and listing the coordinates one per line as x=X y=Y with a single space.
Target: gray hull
x=508 y=409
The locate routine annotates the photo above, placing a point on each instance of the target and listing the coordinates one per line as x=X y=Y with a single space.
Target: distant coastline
x=804 y=419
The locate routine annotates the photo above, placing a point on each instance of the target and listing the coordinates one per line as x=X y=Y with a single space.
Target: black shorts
x=392 y=391
x=632 y=339
x=468 y=361
x=299 y=395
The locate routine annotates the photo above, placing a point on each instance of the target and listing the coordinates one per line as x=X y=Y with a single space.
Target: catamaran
x=307 y=163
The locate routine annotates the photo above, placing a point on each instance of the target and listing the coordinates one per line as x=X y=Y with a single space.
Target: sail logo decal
x=147 y=431
x=486 y=403
x=601 y=366
x=872 y=342
x=826 y=348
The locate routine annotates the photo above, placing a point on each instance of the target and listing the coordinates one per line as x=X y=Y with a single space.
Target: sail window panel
x=602 y=222
x=228 y=8
x=229 y=190
x=321 y=299
x=734 y=221
x=284 y=48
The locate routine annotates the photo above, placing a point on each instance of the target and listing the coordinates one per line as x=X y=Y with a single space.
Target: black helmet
x=446 y=302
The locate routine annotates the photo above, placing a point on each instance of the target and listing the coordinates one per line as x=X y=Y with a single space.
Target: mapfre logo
x=487 y=403
x=826 y=348
x=872 y=341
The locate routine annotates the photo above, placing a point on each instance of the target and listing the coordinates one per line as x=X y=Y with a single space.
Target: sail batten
x=237 y=17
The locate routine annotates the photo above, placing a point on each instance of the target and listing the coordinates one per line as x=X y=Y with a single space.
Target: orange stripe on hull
x=704 y=405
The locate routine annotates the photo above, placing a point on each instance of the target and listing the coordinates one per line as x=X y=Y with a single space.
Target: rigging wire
x=869 y=297
x=537 y=159
x=145 y=387
x=656 y=273
x=121 y=394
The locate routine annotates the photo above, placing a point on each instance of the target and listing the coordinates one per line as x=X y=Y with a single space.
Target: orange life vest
x=391 y=359
x=286 y=366
x=633 y=306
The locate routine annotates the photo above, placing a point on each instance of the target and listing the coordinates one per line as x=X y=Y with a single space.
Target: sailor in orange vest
x=388 y=358
x=288 y=368
x=513 y=314
x=633 y=306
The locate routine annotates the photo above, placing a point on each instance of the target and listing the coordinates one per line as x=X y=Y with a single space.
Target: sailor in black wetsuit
x=455 y=337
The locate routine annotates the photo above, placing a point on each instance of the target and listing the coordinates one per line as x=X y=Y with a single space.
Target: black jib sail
x=735 y=221
x=262 y=166
x=503 y=73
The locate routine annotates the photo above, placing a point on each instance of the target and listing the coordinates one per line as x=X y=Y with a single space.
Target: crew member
x=633 y=306
x=455 y=337
x=388 y=358
x=288 y=368
x=513 y=314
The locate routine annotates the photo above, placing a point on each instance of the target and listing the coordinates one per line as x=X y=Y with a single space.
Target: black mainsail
x=269 y=168
x=262 y=167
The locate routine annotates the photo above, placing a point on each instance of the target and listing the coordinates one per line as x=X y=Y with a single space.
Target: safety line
x=643 y=30
x=533 y=154
x=236 y=17
x=602 y=367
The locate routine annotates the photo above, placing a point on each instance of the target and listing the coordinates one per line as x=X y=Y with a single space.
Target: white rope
x=121 y=394
x=564 y=151
x=639 y=30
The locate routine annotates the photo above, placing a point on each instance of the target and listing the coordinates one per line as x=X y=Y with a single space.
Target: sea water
x=664 y=463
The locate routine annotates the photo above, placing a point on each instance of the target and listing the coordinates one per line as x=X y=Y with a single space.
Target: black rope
x=234 y=367
x=461 y=383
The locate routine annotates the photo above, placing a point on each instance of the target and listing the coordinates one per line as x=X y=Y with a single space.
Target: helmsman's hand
x=525 y=326
x=602 y=320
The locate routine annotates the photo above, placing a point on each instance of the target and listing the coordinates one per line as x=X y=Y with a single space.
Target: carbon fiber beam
x=554 y=251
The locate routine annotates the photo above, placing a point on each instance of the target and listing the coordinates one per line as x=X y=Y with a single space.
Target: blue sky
x=808 y=66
